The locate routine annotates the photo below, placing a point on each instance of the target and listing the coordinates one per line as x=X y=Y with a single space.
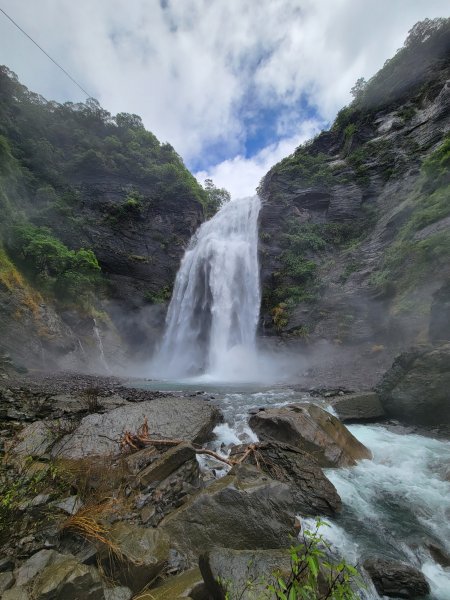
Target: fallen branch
x=142 y=439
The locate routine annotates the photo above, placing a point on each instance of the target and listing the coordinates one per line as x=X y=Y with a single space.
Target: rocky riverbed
x=83 y=517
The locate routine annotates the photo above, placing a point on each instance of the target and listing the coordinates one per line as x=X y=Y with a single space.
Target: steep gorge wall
x=73 y=177
x=355 y=230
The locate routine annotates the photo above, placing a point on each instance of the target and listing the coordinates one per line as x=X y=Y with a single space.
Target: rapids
x=395 y=506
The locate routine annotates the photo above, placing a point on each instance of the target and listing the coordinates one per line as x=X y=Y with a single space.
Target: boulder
x=396 y=579
x=361 y=407
x=314 y=492
x=312 y=429
x=68 y=579
x=35 y=564
x=415 y=390
x=166 y=483
x=188 y=419
x=118 y=593
x=6 y=564
x=166 y=464
x=242 y=574
x=6 y=581
x=33 y=440
x=185 y=585
x=142 y=555
x=244 y=510
x=16 y=593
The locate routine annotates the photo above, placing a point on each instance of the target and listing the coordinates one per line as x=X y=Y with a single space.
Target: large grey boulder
x=396 y=579
x=310 y=428
x=360 y=407
x=189 y=419
x=242 y=574
x=314 y=493
x=141 y=555
x=33 y=440
x=245 y=509
x=68 y=579
x=36 y=564
x=416 y=389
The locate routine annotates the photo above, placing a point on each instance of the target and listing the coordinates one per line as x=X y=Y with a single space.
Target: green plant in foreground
x=312 y=575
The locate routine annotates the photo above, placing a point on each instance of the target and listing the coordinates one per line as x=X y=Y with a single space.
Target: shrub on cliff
x=69 y=274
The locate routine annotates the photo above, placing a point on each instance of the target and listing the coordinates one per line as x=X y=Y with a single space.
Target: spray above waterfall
x=213 y=314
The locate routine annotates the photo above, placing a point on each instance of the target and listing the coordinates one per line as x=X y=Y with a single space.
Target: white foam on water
x=398 y=502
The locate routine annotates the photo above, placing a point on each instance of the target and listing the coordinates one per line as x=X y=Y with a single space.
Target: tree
x=215 y=198
x=359 y=88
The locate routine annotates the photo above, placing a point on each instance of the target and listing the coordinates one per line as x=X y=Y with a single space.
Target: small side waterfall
x=98 y=339
x=213 y=314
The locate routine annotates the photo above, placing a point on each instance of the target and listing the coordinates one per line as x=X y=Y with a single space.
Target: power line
x=46 y=53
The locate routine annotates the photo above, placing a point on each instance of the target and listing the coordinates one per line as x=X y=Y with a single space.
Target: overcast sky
x=233 y=85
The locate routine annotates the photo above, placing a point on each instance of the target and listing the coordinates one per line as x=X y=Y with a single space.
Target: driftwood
x=142 y=439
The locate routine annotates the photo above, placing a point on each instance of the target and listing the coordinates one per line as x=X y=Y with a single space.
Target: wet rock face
x=187 y=419
x=244 y=509
x=440 y=313
x=362 y=407
x=314 y=493
x=415 y=389
x=396 y=579
x=367 y=169
x=308 y=427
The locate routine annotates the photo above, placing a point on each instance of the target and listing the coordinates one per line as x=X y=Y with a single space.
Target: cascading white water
x=213 y=314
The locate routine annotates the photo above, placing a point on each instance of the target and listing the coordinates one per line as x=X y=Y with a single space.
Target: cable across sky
x=46 y=53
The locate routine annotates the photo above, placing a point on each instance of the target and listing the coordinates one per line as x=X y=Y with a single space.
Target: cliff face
x=73 y=177
x=355 y=226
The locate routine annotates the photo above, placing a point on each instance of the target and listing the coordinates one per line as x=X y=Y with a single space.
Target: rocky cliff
x=75 y=178
x=355 y=225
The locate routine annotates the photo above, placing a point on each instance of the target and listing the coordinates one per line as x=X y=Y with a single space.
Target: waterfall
x=213 y=314
x=98 y=339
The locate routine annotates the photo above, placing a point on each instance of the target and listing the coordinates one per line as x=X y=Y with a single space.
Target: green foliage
x=426 y=41
x=215 y=198
x=70 y=274
x=407 y=113
x=313 y=575
x=349 y=130
x=298 y=279
x=18 y=487
x=310 y=169
x=159 y=297
x=358 y=89
x=302 y=237
x=380 y=151
x=437 y=166
x=61 y=142
x=409 y=258
x=345 y=117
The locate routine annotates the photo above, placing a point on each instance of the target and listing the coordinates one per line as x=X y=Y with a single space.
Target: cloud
x=204 y=75
x=240 y=175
